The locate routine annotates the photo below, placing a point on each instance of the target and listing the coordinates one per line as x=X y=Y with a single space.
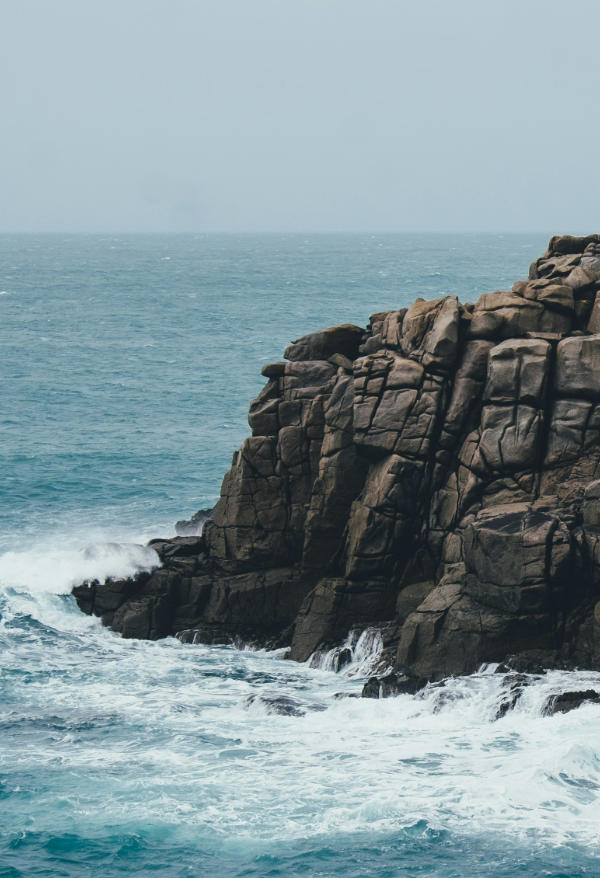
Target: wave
x=34 y=580
x=56 y=570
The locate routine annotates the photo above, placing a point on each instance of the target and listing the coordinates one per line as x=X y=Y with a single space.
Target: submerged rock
x=439 y=471
x=277 y=704
x=392 y=684
x=283 y=705
x=567 y=701
x=516 y=684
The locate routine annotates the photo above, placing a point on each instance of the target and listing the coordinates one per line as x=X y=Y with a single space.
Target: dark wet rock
x=335 y=659
x=371 y=689
x=533 y=661
x=440 y=694
x=344 y=657
x=392 y=684
x=438 y=472
x=178 y=547
x=210 y=634
x=515 y=685
x=321 y=345
x=283 y=705
x=277 y=704
x=567 y=701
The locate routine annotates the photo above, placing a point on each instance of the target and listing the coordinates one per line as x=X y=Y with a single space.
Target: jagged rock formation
x=436 y=473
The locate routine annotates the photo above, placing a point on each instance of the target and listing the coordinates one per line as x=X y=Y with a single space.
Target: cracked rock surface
x=437 y=473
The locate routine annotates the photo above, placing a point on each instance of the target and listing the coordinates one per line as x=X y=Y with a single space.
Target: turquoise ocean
x=127 y=365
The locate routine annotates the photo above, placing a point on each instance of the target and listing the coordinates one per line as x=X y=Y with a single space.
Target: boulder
x=392 y=684
x=505 y=315
x=343 y=339
x=430 y=333
x=568 y=701
x=578 y=367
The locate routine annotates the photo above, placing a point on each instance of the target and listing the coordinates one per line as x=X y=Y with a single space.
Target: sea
x=127 y=365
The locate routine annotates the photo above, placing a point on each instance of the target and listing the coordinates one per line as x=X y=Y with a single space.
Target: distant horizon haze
x=299 y=232
x=304 y=116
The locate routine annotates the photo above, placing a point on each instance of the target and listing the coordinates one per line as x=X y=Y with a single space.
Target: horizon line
x=374 y=232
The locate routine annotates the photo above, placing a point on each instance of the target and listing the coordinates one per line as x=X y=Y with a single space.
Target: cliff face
x=434 y=474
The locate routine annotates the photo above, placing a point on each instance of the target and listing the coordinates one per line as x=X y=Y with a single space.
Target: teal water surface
x=128 y=363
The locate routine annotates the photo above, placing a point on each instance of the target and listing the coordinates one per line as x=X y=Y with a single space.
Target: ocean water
x=127 y=366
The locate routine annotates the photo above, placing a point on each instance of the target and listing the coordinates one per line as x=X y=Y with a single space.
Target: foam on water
x=140 y=734
x=56 y=569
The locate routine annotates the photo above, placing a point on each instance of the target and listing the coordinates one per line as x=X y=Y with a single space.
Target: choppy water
x=127 y=365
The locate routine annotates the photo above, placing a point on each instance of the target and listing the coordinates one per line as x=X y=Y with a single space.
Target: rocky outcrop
x=437 y=473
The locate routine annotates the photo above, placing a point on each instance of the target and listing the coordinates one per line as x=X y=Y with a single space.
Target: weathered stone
x=569 y=244
x=507 y=315
x=593 y=324
x=178 y=547
x=570 y=420
x=430 y=332
x=343 y=339
x=566 y=701
x=341 y=362
x=465 y=400
x=548 y=293
x=392 y=684
x=381 y=523
x=585 y=274
x=517 y=371
x=510 y=437
x=306 y=377
x=516 y=686
x=591 y=505
x=512 y=558
x=340 y=479
x=273 y=370
x=396 y=405
x=578 y=367
x=263 y=419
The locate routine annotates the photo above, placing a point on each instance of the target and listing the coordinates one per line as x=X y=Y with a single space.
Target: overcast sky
x=300 y=115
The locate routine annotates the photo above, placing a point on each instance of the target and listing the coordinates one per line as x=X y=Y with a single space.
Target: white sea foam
x=194 y=736
x=358 y=656
x=201 y=740
x=356 y=765
x=34 y=580
x=55 y=570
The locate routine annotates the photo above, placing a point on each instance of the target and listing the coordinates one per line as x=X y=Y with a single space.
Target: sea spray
x=358 y=656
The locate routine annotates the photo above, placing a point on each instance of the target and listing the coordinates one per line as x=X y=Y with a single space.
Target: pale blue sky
x=299 y=115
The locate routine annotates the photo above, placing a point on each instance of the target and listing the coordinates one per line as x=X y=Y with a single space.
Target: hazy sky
x=300 y=115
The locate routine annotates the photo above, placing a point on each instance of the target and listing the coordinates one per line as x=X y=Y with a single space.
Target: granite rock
x=436 y=474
